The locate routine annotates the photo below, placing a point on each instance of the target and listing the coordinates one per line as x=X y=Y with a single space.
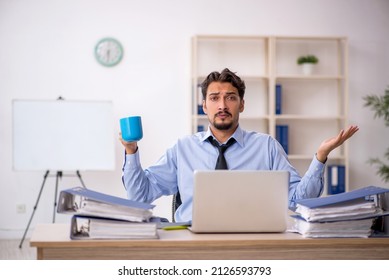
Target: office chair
x=175 y=204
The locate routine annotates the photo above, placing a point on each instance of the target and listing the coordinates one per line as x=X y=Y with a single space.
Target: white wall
x=46 y=50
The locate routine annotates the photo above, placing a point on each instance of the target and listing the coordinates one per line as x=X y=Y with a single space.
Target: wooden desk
x=52 y=242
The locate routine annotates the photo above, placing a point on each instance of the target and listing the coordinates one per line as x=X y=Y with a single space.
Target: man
x=223 y=101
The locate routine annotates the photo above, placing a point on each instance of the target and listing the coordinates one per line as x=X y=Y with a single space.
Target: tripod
x=58 y=176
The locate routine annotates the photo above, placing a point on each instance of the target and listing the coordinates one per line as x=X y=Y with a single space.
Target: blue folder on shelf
x=336 y=174
x=278 y=99
x=282 y=136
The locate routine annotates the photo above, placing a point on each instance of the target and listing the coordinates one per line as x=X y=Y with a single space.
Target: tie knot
x=222 y=148
x=221 y=161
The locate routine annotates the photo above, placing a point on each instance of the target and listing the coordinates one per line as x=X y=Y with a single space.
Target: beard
x=222 y=126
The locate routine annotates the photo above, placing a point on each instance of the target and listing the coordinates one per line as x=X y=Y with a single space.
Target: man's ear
x=204 y=107
x=241 y=107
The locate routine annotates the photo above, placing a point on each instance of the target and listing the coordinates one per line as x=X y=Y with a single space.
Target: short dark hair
x=226 y=76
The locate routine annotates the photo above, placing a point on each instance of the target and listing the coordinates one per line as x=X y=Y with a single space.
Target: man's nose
x=222 y=104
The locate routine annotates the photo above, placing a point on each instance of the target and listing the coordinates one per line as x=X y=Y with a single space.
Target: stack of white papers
x=100 y=216
x=351 y=214
x=95 y=228
x=101 y=209
x=81 y=201
x=346 y=211
x=352 y=228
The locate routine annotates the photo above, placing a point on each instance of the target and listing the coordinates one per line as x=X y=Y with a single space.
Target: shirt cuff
x=316 y=169
x=131 y=161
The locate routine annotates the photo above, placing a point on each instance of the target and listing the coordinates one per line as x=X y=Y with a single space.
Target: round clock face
x=109 y=52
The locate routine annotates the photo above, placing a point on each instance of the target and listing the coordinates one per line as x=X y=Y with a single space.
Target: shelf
x=310 y=38
x=309 y=118
x=310 y=156
x=248 y=118
x=309 y=77
x=245 y=78
x=313 y=107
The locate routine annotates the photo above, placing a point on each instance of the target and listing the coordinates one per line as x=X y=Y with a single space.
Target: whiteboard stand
x=58 y=176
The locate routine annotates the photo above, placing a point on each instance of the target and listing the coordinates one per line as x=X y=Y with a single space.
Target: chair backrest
x=175 y=204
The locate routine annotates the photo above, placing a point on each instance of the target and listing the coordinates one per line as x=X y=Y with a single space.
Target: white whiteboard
x=63 y=135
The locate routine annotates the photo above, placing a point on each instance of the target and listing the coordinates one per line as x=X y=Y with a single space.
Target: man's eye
x=213 y=98
x=231 y=98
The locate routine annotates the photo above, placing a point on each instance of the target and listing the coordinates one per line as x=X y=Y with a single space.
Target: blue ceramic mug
x=131 y=128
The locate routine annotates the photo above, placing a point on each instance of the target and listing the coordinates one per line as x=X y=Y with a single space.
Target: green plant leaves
x=307 y=59
x=380 y=105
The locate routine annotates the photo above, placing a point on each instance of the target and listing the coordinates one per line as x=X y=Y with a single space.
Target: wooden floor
x=9 y=250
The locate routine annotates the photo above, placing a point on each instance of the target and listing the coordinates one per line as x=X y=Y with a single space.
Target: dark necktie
x=221 y=160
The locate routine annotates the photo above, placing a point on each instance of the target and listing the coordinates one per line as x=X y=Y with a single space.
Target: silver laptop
x=227 y=201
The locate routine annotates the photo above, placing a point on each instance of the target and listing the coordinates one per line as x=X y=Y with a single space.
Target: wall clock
x=109 y=52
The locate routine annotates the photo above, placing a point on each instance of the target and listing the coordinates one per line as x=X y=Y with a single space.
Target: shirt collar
x=237 y=135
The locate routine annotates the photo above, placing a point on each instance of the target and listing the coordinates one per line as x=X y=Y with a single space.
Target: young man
x=223 y=95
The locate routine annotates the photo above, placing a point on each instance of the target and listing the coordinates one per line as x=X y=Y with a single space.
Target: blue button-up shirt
x=175 y=169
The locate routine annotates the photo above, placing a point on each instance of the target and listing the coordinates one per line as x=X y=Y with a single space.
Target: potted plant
x=307 y=62
x=380 y=104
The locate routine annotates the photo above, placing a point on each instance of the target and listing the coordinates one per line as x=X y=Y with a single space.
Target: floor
x=9 y=250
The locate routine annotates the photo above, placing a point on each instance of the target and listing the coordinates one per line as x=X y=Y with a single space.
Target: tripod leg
x=35 y=207
x=79 y=176
x=59 y=176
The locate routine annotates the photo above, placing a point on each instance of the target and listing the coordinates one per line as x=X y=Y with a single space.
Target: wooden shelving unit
x=313 y=106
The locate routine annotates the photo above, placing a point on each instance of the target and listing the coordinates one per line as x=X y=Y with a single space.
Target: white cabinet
x=313 y=107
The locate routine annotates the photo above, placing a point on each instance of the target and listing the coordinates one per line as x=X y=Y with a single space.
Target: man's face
x=223 y=105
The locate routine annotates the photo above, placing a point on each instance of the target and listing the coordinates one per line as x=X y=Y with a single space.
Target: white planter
x=307 y=68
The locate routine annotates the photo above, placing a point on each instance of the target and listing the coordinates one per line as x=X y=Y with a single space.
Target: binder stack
x=358 y=213
x=101 y=216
